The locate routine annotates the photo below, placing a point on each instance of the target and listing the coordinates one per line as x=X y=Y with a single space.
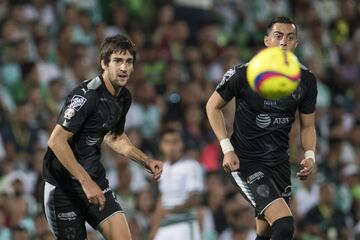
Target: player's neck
x=114 y=90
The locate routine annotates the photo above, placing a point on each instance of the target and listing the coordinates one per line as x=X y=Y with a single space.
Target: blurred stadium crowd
x=184 y=46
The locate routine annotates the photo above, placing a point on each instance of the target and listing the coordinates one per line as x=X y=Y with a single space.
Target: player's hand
x=307 y=167
x=231 y=162
x=155 y=167
x=93 y=193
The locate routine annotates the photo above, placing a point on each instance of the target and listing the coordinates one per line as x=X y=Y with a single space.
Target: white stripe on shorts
x=50 y=208
x=243 y=186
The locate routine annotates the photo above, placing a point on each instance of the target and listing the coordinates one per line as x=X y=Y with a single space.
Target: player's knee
x=283 y=228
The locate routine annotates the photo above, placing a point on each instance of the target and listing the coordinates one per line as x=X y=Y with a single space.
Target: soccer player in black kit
x=256 y=155
x=76 y=188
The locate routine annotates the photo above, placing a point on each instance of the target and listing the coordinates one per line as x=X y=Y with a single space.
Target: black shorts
x=67 y=211
x=261 y=185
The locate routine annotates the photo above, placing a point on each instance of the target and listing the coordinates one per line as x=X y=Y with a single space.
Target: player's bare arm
x=308 y=141
x=122 y=144
x=216 y=118
x=58 y=142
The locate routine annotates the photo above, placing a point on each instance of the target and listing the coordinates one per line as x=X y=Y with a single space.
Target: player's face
x=171 y=145
x=282 y=35
x=119 y=69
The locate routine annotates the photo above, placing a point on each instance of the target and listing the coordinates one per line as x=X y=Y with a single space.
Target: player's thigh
x=276 y=210
x=115 y=227
x=179 y=231
x=262 y=227
x=62 y=215
x=110 y=220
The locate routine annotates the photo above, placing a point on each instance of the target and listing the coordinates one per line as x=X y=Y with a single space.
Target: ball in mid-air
x=274 y=73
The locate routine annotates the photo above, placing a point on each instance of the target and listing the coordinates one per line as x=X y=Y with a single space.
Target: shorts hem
x=119 y=211
x=268 y=205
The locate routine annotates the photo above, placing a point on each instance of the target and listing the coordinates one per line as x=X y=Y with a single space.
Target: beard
x=118 y=82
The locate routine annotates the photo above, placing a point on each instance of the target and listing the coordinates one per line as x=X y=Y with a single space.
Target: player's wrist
x=310 y=154
x=147 y=162
x=226 y=146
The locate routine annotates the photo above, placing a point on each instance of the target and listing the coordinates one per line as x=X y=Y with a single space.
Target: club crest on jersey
x=77 y=102
x=69 y=113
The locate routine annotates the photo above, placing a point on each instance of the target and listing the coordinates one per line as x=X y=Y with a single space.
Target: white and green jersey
x=177 y=182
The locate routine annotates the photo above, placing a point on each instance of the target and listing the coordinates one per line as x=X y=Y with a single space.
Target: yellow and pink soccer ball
x=274 y=73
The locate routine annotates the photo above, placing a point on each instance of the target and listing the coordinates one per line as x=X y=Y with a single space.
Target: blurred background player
x=256 y=155
x=181 y=187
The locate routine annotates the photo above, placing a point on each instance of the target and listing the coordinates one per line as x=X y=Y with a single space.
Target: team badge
x=69 y=113
x=77 y=102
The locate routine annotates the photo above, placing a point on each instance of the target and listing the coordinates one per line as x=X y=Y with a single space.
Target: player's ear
x=297 y=42
x=266 y=40
x=103 y=64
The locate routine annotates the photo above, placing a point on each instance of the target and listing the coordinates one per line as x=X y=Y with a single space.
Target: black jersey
x=261 y=126
x=89 y=112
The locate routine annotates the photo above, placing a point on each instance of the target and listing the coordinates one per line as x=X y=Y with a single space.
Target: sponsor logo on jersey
x=226 y=77
x=281 y=120
x=67 y=216
x=263 y=120
x=90 y=141
x=254 y=177
x=77 y=102
x=69 y=113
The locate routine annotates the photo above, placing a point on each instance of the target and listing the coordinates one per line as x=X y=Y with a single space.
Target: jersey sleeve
x=120 y=126
x=229 y=85
x=307 y=105
x=78 y=106
x=195 y=178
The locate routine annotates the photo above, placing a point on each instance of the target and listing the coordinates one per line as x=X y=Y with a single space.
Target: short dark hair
x=169 y=130
x=280 y=19
x=116 y=43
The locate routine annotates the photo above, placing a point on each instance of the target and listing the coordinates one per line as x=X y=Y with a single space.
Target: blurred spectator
x=5 y=232
x=324 y=220
x=214 y=198
x=145 y=112
x=19 y=233
x=20 y=138
x=307 y=196
x=239 y=217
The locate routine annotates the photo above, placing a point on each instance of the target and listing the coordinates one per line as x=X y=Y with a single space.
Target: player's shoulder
x=237 y=69
x=234 y=73
x=88 y=88
x=84 y=93
x=306 y=73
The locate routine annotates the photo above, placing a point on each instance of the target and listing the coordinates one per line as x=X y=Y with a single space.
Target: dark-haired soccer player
x=256 y=155
x=76 y=188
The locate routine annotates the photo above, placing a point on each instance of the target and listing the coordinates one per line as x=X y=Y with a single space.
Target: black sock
x=262 y=238
x=283 y=229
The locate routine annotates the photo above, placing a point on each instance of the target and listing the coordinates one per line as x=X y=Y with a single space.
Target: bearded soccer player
x=76 y=189
x=256 y=155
